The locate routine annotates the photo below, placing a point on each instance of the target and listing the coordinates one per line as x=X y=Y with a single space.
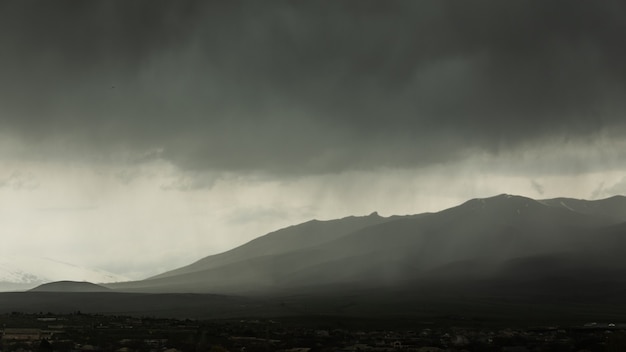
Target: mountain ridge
x=348 y=224
x=372 y=250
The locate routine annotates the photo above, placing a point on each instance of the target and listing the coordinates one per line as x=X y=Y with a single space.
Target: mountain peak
x=499 y=199
x=508 y=196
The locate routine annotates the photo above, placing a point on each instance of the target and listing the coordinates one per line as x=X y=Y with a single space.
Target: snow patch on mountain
x=566 y=206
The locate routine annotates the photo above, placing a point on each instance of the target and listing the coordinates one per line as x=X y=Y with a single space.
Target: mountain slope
x=479 y=239
x=289 y=239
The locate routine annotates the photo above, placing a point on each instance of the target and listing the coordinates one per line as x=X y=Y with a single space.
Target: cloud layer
x=296 y=88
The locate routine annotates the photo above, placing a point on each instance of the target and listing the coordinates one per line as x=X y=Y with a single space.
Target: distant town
x=47 y=332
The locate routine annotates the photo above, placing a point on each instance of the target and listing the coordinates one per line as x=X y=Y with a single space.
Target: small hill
x=23 y=272
x=70 y=286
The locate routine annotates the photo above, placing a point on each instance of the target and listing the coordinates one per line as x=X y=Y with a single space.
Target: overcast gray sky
x=137 y=136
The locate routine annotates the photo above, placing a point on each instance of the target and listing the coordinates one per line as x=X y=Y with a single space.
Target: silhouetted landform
x=504 y=258
x=503 y=239
x=70 y=286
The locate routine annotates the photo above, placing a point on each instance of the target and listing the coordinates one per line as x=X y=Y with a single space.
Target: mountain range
x=492 y=258
x=504 y=238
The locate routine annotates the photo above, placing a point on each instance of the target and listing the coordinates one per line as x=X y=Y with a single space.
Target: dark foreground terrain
x=91 y=332
x=503 y=304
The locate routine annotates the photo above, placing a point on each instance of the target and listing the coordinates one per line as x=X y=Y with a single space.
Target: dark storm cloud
x=309 y=86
